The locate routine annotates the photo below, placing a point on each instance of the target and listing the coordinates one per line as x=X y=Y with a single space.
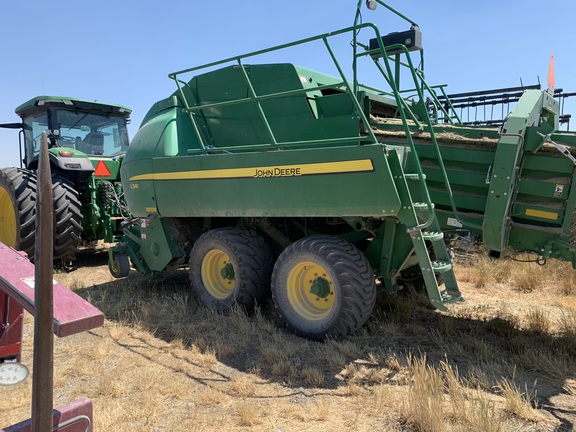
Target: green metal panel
x=291 y=118
x=165 y=131
x=345 y=181
x=467 y=169
x=541 y=241
x=389 y=251
x=158 y=248
x=557 y=188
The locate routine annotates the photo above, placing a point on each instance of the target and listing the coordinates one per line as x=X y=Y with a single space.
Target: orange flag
x=551 y=73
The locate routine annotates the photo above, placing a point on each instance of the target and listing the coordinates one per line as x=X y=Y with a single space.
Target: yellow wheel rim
x=310 y=290
x=218 y=274
x=115 y=265
x=8 y=232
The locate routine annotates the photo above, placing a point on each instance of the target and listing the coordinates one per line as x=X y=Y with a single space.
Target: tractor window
x=33 y=128
x=92 y=133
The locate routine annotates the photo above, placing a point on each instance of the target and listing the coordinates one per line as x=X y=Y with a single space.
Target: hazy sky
x=122 y=51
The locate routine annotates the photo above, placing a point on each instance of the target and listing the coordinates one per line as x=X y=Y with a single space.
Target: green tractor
x=86 y=142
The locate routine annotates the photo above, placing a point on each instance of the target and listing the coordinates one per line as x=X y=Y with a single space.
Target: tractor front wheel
x=228 y=266
x=323 y=287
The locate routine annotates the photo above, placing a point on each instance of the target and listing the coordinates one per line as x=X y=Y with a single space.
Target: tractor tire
x=120 y=266
x=67 y=220
x=18 y=209
x=323 y=287
x=230 y=266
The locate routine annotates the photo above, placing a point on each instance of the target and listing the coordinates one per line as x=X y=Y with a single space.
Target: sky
x=121 y=52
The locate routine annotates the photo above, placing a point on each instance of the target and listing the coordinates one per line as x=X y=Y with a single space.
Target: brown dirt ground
x=142 y=379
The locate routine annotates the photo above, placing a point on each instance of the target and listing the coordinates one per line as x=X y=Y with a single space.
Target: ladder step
x=441 y=266
x=433 y=235
x=414 y=176
x=421 y=206
x=449 y=297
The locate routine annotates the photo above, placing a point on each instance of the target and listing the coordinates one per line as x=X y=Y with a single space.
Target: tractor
x=87 y=141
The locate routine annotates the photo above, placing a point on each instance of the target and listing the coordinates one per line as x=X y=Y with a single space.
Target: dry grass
x=521 y=404
x=502 y=361
x=424 y=406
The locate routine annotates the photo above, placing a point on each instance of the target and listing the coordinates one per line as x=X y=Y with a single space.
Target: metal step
x=433 y=235
x=421 y=206
x=441 y=266
x=414 y=176
x=449 y=297
x=432 y=267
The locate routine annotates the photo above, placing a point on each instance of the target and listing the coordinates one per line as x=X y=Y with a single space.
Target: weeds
x=538 y=321
x=424 y=406
x=521 y=404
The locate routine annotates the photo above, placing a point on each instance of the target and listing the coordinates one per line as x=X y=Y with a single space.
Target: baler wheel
x=229 y=266
x=323 y=287
x=18 y=209
x=119 y=266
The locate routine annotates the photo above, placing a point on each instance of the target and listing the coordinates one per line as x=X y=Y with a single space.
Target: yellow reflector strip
x=151 y=210
x=542 y=214
x=354 y=166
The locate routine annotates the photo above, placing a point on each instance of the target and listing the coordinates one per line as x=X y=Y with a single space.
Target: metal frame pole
x=42 y=383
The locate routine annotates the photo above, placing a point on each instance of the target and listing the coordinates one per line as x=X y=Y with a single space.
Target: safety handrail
x=343 y=86
x=352 y=89
x=420 y=85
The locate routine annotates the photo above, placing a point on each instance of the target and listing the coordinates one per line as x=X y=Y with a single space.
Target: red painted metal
x=75 y=416
x=72 y=314
x=12 y=328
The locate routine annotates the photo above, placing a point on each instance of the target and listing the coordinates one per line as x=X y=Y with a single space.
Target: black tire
x=67 y=220
x=18 y=209
x=230 y=266
x=119 y=266
x=323 y=287
x=18 y=188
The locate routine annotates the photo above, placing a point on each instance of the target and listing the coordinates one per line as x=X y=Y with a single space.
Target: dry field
x=503 y=360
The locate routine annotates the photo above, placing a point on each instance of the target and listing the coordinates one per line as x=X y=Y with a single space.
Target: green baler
x=275 y=177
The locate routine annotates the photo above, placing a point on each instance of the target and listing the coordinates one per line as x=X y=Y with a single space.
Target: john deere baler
x=314 y=188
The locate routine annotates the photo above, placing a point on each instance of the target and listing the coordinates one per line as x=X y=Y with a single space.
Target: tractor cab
x=76 y=129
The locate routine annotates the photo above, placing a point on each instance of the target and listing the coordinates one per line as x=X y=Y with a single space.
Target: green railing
x=353 y=89
x=343 y=86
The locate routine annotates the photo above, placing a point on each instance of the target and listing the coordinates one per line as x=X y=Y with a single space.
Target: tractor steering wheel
x=67 y=141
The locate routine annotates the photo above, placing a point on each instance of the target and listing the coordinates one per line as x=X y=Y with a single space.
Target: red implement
x=73 y=417
x=72 y=314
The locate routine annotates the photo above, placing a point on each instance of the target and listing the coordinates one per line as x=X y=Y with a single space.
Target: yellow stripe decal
x=151 y=210
x=542 y=214
x=341 y=167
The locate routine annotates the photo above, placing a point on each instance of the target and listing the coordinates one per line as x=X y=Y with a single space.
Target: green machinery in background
x=86 y=144
x=318 y=189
